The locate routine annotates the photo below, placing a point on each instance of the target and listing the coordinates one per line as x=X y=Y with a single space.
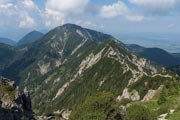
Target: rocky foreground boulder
x=14 y=105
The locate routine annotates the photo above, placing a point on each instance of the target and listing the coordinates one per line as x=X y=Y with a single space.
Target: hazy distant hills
x=27 y=39
x=166 y=41
x=156 y=55
x=7 y=41
x=30 y=38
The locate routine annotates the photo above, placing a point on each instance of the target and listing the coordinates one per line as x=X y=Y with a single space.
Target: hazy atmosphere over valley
x=89 y=60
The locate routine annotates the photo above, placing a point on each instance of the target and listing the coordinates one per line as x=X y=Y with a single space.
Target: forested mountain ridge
x=70 y=63
x=7 y=41
x=30 y=38
x=157 y=55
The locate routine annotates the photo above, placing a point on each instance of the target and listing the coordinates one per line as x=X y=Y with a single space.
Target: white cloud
x=6 y=6
x=29 y=4
x=27 y=21
x=88 y=24
x=74 y=6
x=53 y=18
x=156 y=6
x=114 y=10
x=8 y=13
x=26 y=14
x=21 y=14
x=58 y=11
x=119 y=9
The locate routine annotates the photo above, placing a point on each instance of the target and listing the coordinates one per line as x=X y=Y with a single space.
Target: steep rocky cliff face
x=13 y=104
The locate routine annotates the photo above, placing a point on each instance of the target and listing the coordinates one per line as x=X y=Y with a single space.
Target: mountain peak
x=83 y=32
x=34 y=31
x=30 y=38
x=7 y=41
x=70 y=25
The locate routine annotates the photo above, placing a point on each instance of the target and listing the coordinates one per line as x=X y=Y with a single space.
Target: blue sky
x=18 y=17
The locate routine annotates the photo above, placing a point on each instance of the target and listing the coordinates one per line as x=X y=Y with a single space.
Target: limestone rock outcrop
x=14 y=105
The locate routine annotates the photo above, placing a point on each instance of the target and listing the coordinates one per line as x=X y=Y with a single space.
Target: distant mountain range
x=7 y=41
x=27 y=39
x=30 y=38
x=157 y=55
x=166 y=41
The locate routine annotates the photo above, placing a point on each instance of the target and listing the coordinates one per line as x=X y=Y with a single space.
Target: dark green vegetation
x=104 y=106
x=30 y=38
x=100 y=106
x=176 y=69
x=170 y=60
x=7 y=41
x=7 y=53
x=156 y=55
x=7 y=91
x=138 y=111
x=73 y=69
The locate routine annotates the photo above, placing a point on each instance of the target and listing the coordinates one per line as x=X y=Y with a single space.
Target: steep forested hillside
x=30 y=38
x=157 y=55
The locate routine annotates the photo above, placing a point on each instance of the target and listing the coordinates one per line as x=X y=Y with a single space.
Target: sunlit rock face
x=13 y=104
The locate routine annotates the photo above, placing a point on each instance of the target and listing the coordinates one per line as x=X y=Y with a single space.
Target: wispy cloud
x=136 y=18
x=119 y=9
x=114 y=10
x=67 y=6
x=156 y=7
x=22 y=14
